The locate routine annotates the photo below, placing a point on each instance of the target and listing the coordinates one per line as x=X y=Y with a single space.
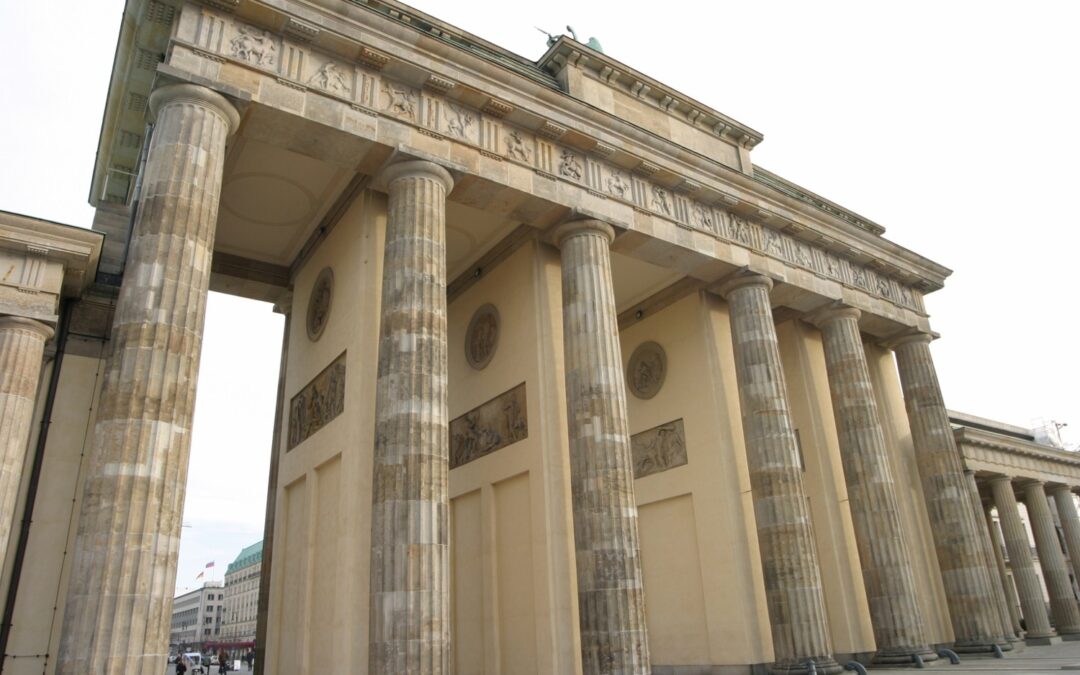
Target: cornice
x=77 y=249
x=1014 y=446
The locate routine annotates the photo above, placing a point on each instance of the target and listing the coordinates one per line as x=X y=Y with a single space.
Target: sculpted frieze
x=317 y=404
x=367 y=87
x=491 y=426
x=658 y=449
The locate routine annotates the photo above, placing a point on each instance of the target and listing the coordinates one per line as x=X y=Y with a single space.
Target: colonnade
x=1042 y=624
x=126 y=548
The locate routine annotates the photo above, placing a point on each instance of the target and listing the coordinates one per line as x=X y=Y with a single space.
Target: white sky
x=953 y=124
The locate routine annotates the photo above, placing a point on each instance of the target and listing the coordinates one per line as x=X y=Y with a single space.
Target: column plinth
x=123 y=575
x=1036 y=620
x=899 y=630
x=1062 y=601
x=1070 y=523
x=22 y=346
x=976 y=625
x=410 y=553
x=788 y=553
x=611 y=597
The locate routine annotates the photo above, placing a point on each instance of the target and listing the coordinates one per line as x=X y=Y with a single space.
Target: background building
x=242 y=598
x=196 y=618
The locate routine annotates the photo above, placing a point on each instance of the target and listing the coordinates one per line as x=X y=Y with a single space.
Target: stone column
x=789 y=559
x=899 y=630
x=120 y=597
x=999 y=560
x=988 y=559
x=1055 y=573
x=410 y=551
x=1070 y=523
x=611 y=598
x=967 y=582
x=1036 y=620
x=22 y=346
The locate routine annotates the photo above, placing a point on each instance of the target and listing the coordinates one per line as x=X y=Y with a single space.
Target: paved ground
x=1029 y=660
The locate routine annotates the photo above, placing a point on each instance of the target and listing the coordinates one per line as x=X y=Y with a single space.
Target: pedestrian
x=250 y=659
x=222 y=661
x=181 y=667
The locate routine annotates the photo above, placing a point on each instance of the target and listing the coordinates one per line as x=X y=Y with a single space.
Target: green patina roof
x=249 y=556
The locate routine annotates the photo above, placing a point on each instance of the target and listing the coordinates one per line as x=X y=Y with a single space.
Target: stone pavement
x=1059 y=658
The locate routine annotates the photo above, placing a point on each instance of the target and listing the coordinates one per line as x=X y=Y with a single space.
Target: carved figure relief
x=570 y=166
x=703 y=217
x=401 y=101
x=646 y=371
x=330 y=78
x=773 y=243
x=858 y=276
x=458 y=120
x=253 y=45
x=515 y=146
x=322 y=294
x=660 y=200
x=884 y=288
x=489 y=427
x=317 y=404
x=617 y=185
x=740 y=231
x=832 y=266
x=482 y=336
x=658 y=449
x=803 y=255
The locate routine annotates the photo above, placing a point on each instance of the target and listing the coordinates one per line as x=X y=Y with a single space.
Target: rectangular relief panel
x=659 y=449
x=467 y=587
x=318 y=403
x=493 y=425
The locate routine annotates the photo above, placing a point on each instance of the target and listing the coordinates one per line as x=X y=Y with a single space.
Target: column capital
x=573 y=228
x=999 y=478
x=741 y=280
x=831 y=312
x=913 y=335
x=1054 y=488
x=198 y=95
x=9 y=322
x=413 y=168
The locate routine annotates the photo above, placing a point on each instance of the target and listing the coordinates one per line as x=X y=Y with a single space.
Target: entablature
x=373 y=76
x=1017 y=458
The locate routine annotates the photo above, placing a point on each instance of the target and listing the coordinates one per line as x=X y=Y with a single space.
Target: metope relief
x=646 y=371
x=489 y=427
x=318 y=403
x=400 y=101
x=322 y=295
x=255 y=46
x=658 y=449
x=331 y=78
x=482 y=336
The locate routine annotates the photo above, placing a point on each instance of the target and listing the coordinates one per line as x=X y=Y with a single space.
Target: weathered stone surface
x=1062 y=601
x=966 y=579
x=899 y=630
x=1070 y=523
x=788 y=554
x=610 y=594
x=988 y=560
x=490 y=426
x=22 y=345
x=118 y=610
x=410 y=548
x=1036 y=620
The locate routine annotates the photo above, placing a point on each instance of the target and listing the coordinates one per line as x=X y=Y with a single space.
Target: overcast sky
x=952 y=124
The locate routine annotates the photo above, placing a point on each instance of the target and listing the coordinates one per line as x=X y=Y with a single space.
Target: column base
x=902 y=656
x=979 y=647
x=1071 y=636
x=1042 y=640
x=823 y=665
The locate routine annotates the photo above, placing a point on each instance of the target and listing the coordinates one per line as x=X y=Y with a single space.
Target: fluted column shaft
x=1010 y=598
x=1070 y=523
x=789 y=559
x=611 y=597
x=1036 y=620
x=988 y=558
x=1062 y=601
x=899 y=630
x=410 y=556
x=22 y=345
x=120 y=598
x=967 y=583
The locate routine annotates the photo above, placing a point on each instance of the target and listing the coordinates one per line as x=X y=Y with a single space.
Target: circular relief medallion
x=646 y=370
x=318 y=311
x=482 y=337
